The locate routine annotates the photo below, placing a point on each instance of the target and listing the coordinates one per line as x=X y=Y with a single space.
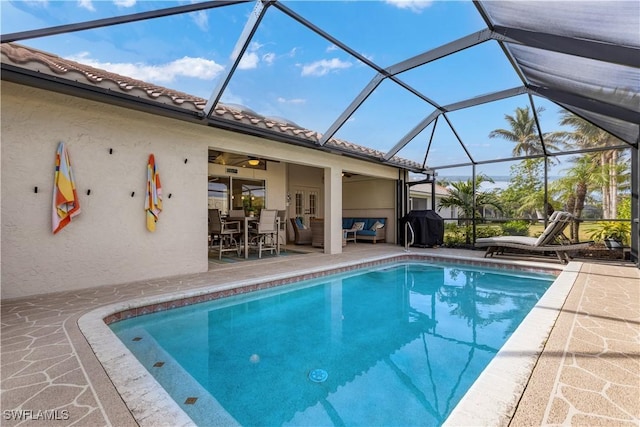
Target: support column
x=635 y=206
x=332 y=210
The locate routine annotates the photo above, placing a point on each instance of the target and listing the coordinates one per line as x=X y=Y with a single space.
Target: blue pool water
x=393 y=345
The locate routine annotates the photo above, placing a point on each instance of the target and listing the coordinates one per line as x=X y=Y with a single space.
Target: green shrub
x=624 y=208
x=488 y=231
x=456 y=235
x=515 y=228
x=610 y=230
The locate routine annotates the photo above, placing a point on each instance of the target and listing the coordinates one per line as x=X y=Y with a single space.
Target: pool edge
x=147 y=400
x=493 y=398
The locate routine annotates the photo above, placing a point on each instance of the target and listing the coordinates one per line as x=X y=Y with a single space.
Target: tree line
x=597 y=176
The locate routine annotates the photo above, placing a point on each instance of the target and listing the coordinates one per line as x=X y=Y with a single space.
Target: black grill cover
x=428 y=227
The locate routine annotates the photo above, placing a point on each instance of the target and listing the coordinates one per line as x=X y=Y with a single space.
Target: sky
x=290 y=72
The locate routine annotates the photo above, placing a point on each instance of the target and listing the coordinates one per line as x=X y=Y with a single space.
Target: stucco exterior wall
x=108 y=242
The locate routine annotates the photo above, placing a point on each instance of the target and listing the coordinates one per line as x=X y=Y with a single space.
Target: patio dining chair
x=282 y=216
x=264 y=235
x=236 y=214
x=223 y=234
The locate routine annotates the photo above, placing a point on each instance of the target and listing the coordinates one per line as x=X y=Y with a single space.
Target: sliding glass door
x=226 y=193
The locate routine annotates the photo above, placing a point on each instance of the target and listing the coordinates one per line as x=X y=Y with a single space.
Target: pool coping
x=494 y=396
x=151 y=405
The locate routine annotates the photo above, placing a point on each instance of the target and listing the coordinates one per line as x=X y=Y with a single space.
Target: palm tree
x=525 y=195
x=533 y=202
x=461 y=197
x=574 y=189
x=587 y=135
x=524 y=133
x=467 y=301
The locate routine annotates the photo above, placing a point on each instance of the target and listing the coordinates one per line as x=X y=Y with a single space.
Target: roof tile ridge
x=59 y=65
x=23 y=54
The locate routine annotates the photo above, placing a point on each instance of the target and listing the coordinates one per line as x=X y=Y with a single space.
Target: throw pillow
x=357 y=226
x=376 y=225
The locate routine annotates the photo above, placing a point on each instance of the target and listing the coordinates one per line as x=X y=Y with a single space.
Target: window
x=299 y=204
x=313 y=204
x=219 y=193
x=248 y=195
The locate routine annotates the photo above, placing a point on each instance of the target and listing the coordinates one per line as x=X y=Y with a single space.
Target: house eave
x=53 y=83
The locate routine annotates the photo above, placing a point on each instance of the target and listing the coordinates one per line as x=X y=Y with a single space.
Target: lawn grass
x=535 y=230
x=583 y=233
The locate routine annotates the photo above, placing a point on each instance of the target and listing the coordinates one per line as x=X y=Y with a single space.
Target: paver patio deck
x=588 y=373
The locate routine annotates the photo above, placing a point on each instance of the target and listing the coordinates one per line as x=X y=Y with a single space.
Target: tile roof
x=426 y=188
x=44 y=62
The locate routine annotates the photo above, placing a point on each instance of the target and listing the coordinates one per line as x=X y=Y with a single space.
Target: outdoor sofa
x=369 y=229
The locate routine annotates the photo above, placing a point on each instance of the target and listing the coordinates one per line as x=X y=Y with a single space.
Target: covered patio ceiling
x=425 y=107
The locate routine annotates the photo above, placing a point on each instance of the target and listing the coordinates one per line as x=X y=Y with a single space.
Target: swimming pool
x=391 y=345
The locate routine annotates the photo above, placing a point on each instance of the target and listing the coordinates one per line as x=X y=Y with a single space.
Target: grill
x=428 y=227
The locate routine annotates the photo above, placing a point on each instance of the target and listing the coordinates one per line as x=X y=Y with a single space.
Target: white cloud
x=86 y=4
x=292 y=53
x=199 y=68
x=124 y=3
x=296 y=101
x=201 y=19
x=268 y=58
x=332 y=47
x=251 y=58
x=249 y=61
x=255 y=46
x=324 y=66
x=413 y=5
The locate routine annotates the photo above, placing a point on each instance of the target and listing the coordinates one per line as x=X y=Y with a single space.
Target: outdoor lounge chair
x=552 y=239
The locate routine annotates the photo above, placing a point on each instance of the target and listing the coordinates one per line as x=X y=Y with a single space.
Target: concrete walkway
x=588 y=374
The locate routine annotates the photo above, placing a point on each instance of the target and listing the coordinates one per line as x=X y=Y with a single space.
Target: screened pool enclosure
x=520 y=108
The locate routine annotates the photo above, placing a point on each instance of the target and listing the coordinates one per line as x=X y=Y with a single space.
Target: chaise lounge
x=552 y=239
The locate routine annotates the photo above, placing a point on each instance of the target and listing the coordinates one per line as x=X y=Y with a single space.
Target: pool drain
x=318 y=375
